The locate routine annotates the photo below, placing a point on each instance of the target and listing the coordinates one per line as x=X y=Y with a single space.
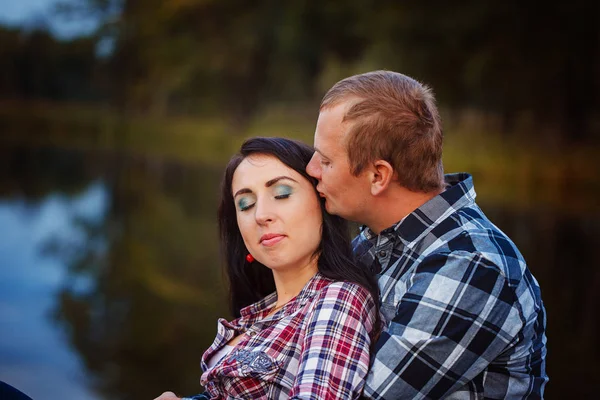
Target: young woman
x=306 y=313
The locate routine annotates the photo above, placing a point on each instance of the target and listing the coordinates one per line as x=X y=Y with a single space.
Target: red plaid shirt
x=315 y=347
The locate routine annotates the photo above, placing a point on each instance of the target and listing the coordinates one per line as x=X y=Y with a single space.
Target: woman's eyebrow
x=269 y=183
x=242 y=191
x=275 y=180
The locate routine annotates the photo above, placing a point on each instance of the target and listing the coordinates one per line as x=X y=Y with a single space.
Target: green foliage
x=235 y=58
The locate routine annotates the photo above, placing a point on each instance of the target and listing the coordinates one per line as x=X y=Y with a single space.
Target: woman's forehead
x=258 y=169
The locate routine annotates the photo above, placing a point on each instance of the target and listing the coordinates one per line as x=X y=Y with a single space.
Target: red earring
x=249 y=258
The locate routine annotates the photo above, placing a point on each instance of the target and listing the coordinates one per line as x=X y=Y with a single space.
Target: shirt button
x=382 y=253
x=251 y=333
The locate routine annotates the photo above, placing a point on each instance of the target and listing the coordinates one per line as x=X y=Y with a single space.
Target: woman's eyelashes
x=280 y=192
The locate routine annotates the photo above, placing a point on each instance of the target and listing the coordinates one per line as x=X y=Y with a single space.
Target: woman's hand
x=173 y=396
x=167 y=396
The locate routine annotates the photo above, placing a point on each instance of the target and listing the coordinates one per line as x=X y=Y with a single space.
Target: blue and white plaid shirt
x=464 y=315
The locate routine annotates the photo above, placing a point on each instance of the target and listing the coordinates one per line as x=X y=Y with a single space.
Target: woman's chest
x=264 y=363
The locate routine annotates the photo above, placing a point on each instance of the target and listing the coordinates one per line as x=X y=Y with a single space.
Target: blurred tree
x=34 y=173
x=233 y=57
x=35 y=65
x=512 y=57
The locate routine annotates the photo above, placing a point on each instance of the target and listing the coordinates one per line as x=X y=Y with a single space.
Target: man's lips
x=270 y=239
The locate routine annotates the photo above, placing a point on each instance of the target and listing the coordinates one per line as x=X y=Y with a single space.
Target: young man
x=464 y=315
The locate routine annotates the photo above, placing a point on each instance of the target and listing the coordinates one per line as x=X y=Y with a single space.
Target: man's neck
x=396 y=204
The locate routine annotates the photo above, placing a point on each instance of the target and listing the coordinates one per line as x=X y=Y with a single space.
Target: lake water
x=110 y=284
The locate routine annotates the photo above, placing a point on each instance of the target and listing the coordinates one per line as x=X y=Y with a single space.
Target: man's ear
x=382 y=175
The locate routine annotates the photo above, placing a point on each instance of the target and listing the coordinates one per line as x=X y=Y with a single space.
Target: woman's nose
x=263 y=212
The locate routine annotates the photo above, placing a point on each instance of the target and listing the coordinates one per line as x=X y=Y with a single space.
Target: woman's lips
x=272 y=240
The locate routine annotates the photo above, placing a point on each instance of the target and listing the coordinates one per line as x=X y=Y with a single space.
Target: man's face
x=345 y=195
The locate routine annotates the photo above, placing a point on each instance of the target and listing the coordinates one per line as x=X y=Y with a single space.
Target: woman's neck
x=289 y=282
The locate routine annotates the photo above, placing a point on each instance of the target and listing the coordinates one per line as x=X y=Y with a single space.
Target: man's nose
x=313 y=167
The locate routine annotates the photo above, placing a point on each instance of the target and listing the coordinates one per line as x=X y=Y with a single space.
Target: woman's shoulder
x=343 y=302
x=345 y=291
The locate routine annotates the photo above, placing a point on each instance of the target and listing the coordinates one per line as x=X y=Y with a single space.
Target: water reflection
x=152 y=259
x=34 y=352
x=130 y=273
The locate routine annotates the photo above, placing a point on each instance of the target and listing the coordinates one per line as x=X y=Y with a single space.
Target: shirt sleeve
x=457 y=315
x=335 y=349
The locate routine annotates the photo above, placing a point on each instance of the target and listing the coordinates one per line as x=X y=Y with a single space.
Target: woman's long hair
x=250 y=282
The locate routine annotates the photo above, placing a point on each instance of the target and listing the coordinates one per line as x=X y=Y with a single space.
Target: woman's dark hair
x=250 y=282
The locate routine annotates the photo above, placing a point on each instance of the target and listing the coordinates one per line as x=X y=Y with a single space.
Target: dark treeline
x=513 y=58
x=35 y=65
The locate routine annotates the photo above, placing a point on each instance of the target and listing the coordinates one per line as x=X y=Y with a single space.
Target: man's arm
x=457 y=315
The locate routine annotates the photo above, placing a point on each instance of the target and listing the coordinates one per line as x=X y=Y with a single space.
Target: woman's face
x=278 y=213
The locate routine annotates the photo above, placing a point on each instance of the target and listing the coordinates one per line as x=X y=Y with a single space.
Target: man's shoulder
x=470 y=237
x=469 y=230
x=464 y=236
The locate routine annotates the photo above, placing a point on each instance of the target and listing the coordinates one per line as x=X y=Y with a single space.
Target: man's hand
x=167 y=396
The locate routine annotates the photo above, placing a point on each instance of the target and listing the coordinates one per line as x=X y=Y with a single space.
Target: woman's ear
x=382 y=175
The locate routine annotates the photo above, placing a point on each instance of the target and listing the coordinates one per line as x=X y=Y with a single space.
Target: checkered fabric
x=464 y=315
x=315 y=347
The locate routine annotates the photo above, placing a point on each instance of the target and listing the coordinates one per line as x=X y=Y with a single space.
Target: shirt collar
x=459 y=193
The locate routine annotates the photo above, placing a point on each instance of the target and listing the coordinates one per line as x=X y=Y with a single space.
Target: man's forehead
x=344 y=103
x=335 y=113
x=331 y=129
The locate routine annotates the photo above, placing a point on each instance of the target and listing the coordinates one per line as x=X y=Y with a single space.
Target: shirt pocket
x=254 y=363
x=249 y=374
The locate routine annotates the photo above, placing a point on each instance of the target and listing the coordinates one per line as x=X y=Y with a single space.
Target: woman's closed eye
x=282 y=191
x=245 y=203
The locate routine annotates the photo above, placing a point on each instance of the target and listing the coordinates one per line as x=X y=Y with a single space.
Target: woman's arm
x=335 y=350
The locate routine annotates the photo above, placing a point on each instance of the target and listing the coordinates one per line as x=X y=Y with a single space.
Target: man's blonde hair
x=394 y=119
